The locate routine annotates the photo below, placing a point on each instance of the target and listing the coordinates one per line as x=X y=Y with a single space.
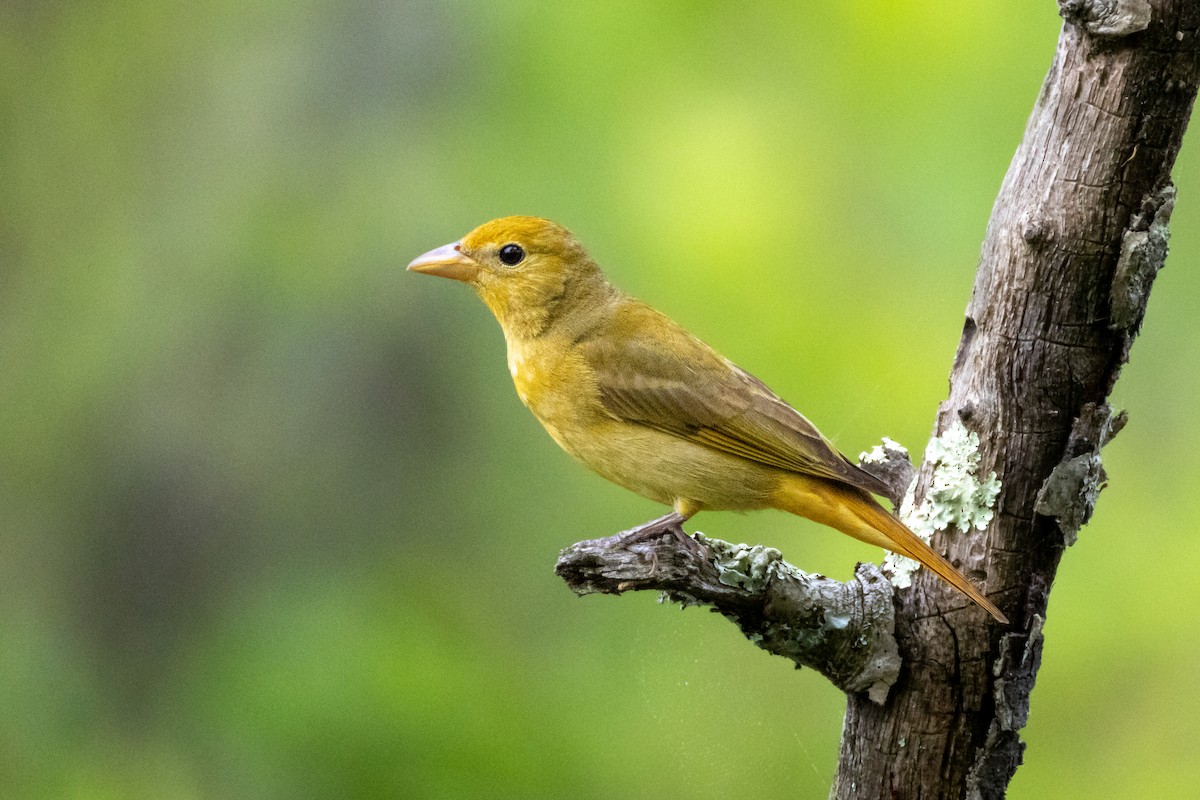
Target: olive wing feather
x=683 y=387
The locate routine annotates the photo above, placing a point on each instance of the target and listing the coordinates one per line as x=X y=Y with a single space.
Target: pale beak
x=446 y=261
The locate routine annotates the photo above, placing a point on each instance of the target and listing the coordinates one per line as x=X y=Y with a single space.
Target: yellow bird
x=647 y=405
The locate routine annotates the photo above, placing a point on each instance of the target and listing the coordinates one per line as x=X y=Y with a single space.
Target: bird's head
x=528 y=270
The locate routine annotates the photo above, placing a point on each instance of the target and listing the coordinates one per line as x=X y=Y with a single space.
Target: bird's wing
x=657 y=374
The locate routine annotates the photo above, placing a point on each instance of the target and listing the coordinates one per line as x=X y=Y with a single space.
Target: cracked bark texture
x=1076 y=235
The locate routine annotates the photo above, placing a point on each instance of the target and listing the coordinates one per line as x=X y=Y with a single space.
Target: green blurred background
x=274 y=522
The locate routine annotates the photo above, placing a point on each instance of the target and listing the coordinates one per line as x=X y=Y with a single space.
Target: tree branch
x=842 y=630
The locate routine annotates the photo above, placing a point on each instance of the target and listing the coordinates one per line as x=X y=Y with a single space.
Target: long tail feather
x=856 y=514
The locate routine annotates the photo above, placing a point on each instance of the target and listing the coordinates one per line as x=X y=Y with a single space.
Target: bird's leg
x=670 y=523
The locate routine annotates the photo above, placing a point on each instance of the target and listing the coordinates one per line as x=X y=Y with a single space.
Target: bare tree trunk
x=1076 y=236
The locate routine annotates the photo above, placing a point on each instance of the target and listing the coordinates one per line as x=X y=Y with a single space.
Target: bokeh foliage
x=274 y=523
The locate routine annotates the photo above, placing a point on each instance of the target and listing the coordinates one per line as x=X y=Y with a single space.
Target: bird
x=649 y=406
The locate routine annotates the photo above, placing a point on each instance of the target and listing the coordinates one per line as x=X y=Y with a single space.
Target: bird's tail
x=855 y=513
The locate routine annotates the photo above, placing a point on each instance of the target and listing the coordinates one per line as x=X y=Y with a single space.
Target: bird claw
x=669 y=524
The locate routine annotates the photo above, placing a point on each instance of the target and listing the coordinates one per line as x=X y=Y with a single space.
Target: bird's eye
x=512 y=254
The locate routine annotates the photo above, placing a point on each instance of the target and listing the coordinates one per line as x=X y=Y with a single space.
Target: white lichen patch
x=742 y=565
x=879 y=453
x=957 y=496
x=836 y=622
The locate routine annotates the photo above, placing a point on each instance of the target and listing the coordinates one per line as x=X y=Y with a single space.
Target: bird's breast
x=520 y=375
x=555 y=384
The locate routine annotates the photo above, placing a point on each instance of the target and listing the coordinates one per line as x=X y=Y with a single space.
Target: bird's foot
x=673 y=524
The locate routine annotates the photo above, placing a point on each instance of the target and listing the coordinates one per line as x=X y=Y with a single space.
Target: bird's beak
x=448 y=262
